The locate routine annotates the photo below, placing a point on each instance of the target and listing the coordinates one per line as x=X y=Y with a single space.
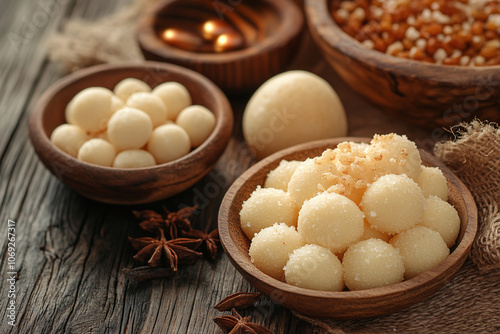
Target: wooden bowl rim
x=460 y=252
x=291 y=24
x=319 y=19
x=223 y=113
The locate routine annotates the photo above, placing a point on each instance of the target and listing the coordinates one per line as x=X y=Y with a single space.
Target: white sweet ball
x=308 y=180
x=175 y=97
x=270 y=248
x=314 y=267
x=372 y=263
x=69 y=138
x=394 y=154
x=133 y=159
x=330 y=220
x=393 y=203
x=168 y=142
x=151 y=105
x=433 y=182
x=198 y=121
x=129 y=128
x=279 y=177
x=98 y=152
x=90 y=109
x=442 y=217
x=291 y=108
x=125 y=88
x=264 y=208
x=422 y=249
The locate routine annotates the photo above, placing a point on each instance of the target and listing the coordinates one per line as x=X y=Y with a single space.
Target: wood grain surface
x=70 y=251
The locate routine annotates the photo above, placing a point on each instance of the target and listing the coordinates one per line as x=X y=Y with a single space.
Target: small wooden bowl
x=424 y=94
x=138 y=185
x=344 y=304
x=272 y=29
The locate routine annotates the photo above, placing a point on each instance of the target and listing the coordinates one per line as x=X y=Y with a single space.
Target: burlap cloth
x=111 y=39
x=470 y=303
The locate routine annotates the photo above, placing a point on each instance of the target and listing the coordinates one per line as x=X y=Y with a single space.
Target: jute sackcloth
x=475 y=158
x=111 y=39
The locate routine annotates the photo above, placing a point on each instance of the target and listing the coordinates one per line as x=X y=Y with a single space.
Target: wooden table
x=70 y=251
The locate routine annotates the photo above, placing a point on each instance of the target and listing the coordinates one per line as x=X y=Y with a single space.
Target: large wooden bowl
x=344 y=304
x=424 y=94
x=139 y=185
x=271 y=27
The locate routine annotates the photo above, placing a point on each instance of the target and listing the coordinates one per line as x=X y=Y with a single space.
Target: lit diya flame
x=212 y=29
x=182 y=39
x=213 y=35
x=228 y=42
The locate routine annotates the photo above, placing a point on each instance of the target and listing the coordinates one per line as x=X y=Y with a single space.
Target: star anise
x=171 y=222
x=181 y=218
x=235 y=324
x=238 y=301
x=151 y=220
x=158 y=251
x=209 y=241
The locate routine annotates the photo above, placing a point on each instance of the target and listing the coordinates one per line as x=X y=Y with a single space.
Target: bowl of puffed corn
x=431 y=63
x=131 y=133
x=348 y=228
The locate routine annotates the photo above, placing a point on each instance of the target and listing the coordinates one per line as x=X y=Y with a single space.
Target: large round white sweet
x=291 y=108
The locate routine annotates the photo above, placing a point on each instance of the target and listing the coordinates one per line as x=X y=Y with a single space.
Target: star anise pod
x=209 y=241
x=238 y=301
x=170 y=222
x=151 y=220
x=235 y=324
x=156 y=252
x=181 y=218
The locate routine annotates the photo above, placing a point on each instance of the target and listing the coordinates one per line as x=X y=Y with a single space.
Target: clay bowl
x=343 y=304
x=424 y=94
x=138 y=185
x=271 y=31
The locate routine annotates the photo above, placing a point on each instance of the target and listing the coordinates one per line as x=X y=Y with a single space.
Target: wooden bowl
x=424 y=94
x=138 y=185
x=271 y=30
x=343 y=304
